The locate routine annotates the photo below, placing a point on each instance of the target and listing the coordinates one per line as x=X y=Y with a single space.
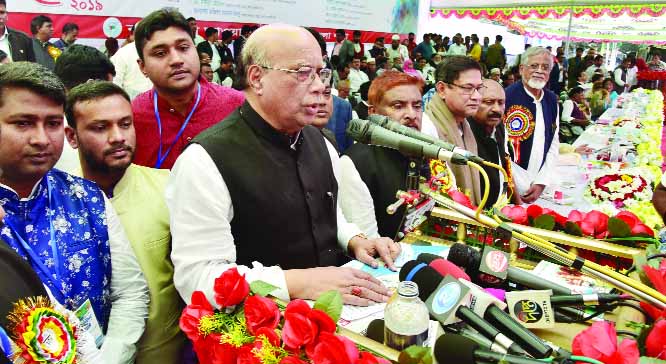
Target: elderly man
x=457 y=97
x=289 y=235
x=99 y=115
x=532 y=123
x=63 y=225
x=490 y=136
x=371 y=175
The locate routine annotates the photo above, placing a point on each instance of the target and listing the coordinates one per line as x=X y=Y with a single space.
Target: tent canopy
x=638 y=21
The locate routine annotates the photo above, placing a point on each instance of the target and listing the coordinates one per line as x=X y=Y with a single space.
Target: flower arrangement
x=599 y=342
x=250 y=328
x=619 y=188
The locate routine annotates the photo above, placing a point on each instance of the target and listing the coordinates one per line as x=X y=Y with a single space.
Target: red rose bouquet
x=250 y=328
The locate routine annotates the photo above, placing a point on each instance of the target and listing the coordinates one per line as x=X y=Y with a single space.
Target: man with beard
x=371 y=175
x=182 y=103
x=490 y=136
x=532 y=123
x=99 y=115
x=457 y=96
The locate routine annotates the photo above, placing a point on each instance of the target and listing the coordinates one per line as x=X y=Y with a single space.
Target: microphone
x=469 y=259
x=375 y=330
x=364 y=132
x=586 y=299
x=452 y=348
x=516 y=332
x=392 y=125
x=442 y=265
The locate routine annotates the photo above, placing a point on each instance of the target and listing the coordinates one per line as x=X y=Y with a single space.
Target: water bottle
x=406 y=318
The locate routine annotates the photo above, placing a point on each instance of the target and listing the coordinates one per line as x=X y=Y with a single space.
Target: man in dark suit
x=361 y=108
x=225 y=51
x=16 y=44
x=246 y=30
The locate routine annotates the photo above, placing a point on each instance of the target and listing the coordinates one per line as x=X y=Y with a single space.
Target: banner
x=113 y=18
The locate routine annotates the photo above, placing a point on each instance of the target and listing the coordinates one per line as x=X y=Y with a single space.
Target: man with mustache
x=490 y=136
x=532 y=123
x=100 y=126
x=371 y=175
x=64 y=226
x=258 y=191
x=458 y=94
x=182 y=103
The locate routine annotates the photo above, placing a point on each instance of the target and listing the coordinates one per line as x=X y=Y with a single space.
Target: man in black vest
x=490 y=135
x=371 y=175
x=16 y=44
x=620 y=76
x=258 y=189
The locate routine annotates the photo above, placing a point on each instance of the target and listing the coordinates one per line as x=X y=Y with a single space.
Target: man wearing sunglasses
x=258 y=190
x=458 y=96
x=532 y=123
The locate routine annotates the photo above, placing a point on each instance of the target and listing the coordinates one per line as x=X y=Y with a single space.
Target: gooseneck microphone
x=367 y=133
x=392 y=125
x=452 y=348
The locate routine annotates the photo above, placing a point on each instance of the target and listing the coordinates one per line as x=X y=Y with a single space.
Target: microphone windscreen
x=500 y=294
x=464 y=256
x=406 y=268
x=445 y=267
x=427 y=258
x=451 y=348
x=376 y=330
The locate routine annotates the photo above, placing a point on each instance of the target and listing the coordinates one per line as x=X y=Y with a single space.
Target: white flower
x=75 y=263
x=61 y=224
x=86 y=235
x=29 y=228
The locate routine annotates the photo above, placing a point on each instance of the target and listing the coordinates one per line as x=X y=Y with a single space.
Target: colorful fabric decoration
x=441 y=175
x=519 y=122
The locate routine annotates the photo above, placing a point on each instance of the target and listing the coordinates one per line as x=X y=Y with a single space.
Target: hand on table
x=365 y=249
x=357 y=287
x=533 y=193
x=584 y=150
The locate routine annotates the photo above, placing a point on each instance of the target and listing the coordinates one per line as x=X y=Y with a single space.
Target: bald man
x=258 y=190
x=490 y=135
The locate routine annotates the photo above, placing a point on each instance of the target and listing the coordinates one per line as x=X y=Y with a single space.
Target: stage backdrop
x=99 y=19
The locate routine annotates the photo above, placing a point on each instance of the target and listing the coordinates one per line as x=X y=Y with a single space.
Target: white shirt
x=198 y=39
x=567 y=109
x=593 y=69
x=336 y=49
x=632 y=78
x=201 y=211
x=4 y=44
x=457 y=50
x=69 y=159
x=402 y=51
x=535 y=172
x=356 y=79
x=355 y=198
x=129 y=294
x=128 y=74
x=215 y=59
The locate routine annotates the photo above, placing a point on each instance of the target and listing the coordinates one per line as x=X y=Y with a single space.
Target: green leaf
x=421 y=243
x=646 y=360
x=331 y=303
x=262 y=288
x=545 y=221
x=415 y=355
x=572 y=228
x=618 y=228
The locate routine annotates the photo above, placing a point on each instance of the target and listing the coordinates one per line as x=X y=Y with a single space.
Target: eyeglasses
x=536 y=66
x=469 y=89
x=306 y=73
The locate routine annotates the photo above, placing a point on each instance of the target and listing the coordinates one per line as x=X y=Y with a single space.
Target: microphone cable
x=486 y=190
x=606 y=309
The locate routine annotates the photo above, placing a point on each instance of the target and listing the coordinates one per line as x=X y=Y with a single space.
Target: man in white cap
x=396 y=49
x=496 y=74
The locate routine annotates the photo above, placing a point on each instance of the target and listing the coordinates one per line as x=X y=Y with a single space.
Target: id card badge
x=89 y=323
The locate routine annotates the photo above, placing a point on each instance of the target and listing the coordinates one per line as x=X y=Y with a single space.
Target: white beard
x=536 y=84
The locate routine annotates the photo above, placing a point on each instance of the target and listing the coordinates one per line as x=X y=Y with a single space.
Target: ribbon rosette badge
x=519 y=123
x=42 y=334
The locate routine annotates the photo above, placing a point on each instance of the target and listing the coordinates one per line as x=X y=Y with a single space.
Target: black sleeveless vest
x=284 y=194
x=384 y=172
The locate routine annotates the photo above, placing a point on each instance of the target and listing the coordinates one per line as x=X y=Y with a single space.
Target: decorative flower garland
x=620 y=187
x=558 y=12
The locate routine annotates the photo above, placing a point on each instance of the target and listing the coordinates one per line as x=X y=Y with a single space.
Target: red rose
x=641 y=229
x=246 y=356
x=292 y=360
x=517 y=214
x=298 y=329
x=230 y=288
x=575 y=216
x=322 y=320
x=628 y=217
x=657 y=276
x=599 y=342
x=533 y=211
x=192 y=314
x=654 y=312
x=461 y=198
x=587 y=228
x=261 y=312
x=211 y=351
x=331 y=350
x=655 y=343
x=270 y=334
x=598 y=220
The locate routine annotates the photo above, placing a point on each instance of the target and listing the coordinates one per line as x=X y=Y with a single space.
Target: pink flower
x=655 y=343
x=600 y=342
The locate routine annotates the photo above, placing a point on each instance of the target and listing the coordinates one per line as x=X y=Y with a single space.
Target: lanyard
x=160 y=157
x=49 y=273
